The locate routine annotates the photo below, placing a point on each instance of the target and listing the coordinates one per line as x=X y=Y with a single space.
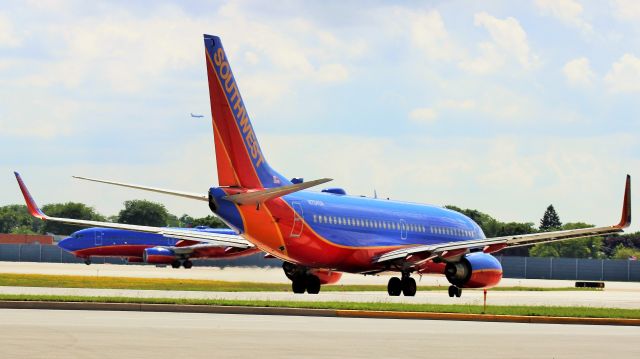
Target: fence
x=514 y=267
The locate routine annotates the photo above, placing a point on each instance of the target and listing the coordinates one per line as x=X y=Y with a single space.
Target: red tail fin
x=239 y=158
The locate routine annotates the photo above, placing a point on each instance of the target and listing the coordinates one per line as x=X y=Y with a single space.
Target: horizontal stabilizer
x=199 y=197
x=260 y=196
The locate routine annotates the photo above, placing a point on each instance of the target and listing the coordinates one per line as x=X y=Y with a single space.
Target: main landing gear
x=184 y=263
x=309 y=283
x=301 y=280
x=455 y=291
x=406 y=286
x=87 y=261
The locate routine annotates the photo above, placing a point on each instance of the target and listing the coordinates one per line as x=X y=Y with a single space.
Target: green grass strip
x=69 y=281
x=578 y=312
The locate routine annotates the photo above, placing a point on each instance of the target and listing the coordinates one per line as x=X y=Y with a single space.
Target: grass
x=68 y=281
x=578 y=312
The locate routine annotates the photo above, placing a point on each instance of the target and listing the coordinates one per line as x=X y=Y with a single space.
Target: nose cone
x=66 y=244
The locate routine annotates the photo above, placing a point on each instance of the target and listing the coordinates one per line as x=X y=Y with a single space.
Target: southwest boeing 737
x=331 y=232
x=150 y=248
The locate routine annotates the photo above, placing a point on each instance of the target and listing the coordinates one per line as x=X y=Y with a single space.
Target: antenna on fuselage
x=375 y=194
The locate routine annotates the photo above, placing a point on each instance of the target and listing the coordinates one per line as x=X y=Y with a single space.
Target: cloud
x=624 y=75
x=567 y=11
x=509 y=42
x=429 y=34
x=578 y=72
x=8 y=38
x=626 y=9
x=423 y=115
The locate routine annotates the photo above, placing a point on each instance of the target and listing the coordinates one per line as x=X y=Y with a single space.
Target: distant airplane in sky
x=151 y=248
x=330 y=231
x=196 y=115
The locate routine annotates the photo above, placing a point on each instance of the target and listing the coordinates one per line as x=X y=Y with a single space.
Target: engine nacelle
x=475 y=270
x=158 y=255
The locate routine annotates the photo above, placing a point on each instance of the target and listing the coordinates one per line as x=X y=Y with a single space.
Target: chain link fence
x=514 y=267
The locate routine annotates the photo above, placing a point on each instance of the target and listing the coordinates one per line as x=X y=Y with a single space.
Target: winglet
x=31 y=204
x=625 y=221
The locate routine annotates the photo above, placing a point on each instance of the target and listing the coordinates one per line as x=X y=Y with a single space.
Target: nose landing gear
x=455 y=291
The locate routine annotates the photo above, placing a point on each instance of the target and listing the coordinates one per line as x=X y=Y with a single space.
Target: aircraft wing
x=450 y=250
x=218 y=239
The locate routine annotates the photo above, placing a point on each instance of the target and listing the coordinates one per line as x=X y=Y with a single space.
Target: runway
x=615 y=295
x=89 y=334
x=603 y=299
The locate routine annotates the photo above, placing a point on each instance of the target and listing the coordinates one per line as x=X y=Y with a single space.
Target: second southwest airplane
x=318 y=235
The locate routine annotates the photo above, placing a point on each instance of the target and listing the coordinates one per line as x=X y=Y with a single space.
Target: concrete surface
x=251 y=274
x=606 y=299
x=95 y=334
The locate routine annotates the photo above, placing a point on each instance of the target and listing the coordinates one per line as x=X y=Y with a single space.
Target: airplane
x=196 y=116
x=150 y=248
x=330 y=231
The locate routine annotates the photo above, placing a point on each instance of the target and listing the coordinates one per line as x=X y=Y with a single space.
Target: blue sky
x=501 y=106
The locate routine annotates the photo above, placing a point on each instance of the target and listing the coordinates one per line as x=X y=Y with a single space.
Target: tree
x=590 y=247
x=68 y=210
x=622 y=252
x=550 y=220
x=143 y=212
x=16 y=216
x=209 y=221
x=488 y=224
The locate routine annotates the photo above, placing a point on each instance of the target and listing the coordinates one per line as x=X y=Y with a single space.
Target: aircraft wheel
x=299 y=284
x=87 y=261
x=187 y=264
x=458 y=292
x=452 y=291
x=394 y=287
x=175 y=264
x=409 y=287
x=313 y=284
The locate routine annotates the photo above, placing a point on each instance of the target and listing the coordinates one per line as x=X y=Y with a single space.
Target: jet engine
x=158 y=255
x=474 y=270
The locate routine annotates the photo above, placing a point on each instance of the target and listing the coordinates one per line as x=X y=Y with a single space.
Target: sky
x=501 y=106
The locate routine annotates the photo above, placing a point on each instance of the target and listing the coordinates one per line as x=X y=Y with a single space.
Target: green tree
x=143 y=212
x=186 y=221
x=590 y=247
x=17 y=216
x=209 y=221
x=489 y=225
x=23 y=230
x=550 y=220
x=68 y=210
x=622 y=252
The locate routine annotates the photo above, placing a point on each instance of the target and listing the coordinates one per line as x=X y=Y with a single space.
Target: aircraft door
x=298 y=224
x=403 y=229
x=99 y=236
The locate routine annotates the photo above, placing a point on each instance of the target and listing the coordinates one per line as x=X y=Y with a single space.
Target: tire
x=175 y=264
x=313 y=284
x=452 y=291
x=299 y=285
x=394 y=287
x=187 y=264
x=458 y=292
x=409 y=287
